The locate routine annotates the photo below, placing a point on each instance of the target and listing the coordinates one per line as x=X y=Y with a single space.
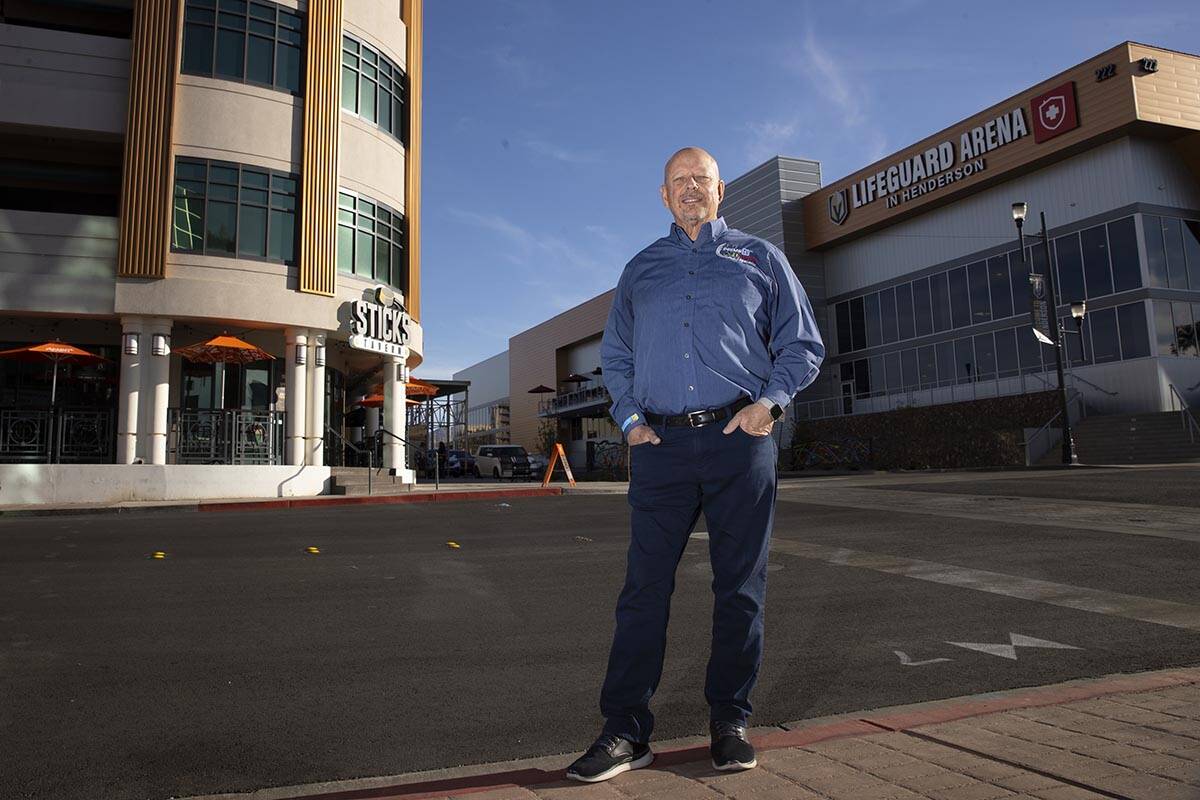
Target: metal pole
x=1068 y=441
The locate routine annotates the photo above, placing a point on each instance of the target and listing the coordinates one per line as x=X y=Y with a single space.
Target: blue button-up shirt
x=696 y=325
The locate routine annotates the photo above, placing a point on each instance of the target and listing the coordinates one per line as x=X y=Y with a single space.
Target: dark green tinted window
x=373 y=87
x=257 y=42
x=370 y=242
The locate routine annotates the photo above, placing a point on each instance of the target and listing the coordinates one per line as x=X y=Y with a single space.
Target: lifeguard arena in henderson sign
x=173 y=171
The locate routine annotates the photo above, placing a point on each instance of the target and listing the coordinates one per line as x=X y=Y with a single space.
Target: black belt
x=697 y=419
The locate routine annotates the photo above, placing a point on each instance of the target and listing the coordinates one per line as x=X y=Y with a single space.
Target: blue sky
x=547 y=121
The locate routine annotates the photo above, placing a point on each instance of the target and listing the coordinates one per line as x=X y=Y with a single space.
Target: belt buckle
x=692 y=417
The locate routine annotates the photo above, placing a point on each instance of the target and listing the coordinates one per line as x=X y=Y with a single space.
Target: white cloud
x=563 y=154
x=769 y=138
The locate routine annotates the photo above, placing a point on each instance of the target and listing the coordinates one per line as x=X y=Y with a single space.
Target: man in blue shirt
x=709 y=337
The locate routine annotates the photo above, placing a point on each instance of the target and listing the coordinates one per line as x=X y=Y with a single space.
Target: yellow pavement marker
x=453 y=545
x=312 y=550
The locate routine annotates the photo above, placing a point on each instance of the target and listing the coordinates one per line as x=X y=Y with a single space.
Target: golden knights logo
x=839 y=207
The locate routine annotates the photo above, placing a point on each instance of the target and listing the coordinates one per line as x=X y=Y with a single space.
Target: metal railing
x=359 y=450
x=410 y=453
x=57 y=436
x=225 y=436
x=1190 y=426
x=1040 y=441
x=579 y=397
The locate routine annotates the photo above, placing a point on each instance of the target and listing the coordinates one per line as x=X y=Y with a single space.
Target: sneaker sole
x=644 y=761
x=735 y=766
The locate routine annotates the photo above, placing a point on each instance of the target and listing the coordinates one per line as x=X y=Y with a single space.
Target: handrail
x=1185 y=413
x=360 y=451
x=1045 y=428
x=1075 y=377
x=437 y=462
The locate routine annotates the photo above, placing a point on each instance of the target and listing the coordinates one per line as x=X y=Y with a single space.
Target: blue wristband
x=631 y=418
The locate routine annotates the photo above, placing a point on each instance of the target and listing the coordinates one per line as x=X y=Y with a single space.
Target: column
x=130 y=389
x=394 y=376
x=295 y=391
x=156 y=388
x=372 y=417
x=316 y=399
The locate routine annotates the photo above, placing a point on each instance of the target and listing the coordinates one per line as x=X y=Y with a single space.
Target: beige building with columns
x=173 y=171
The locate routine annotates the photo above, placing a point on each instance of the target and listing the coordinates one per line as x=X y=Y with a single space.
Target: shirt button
x=691 y=272
x=689 y=297
x=685 y=324
x=686 y=355
x=691 y=388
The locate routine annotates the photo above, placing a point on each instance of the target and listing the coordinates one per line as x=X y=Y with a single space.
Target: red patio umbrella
x=55 y=351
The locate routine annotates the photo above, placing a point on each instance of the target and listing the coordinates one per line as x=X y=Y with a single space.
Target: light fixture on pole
x=1019 y=210
x=161 y=344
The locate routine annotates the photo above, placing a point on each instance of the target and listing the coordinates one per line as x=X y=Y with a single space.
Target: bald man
x=709 y=338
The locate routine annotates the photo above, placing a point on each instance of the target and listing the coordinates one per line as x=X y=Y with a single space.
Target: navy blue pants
x=732 y=479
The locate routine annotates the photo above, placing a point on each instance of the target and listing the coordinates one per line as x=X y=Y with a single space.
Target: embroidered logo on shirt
x=742 y=255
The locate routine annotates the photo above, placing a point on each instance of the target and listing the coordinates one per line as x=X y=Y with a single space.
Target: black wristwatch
x=776 y=411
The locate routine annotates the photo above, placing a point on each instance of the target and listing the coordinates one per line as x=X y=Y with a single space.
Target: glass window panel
x=985 y=357
x=345 y=217
x=1028 y=349
x=927 y=364
x=349 y=44
x=1075 y=340
x=283 y=202
x=1018 y=274
x=260 y=58
x=238 y=6
x=1070 y=269
x=252 y=231
x=1164 y=329
x=287 y=67
x=887 y=314
x=1106 y=345
x=908 y=362
x=235 y=21
x=997 y=268
x=382 y=273
x=904 y=311
x=397 y=268
x=220 y=230
x=1156 y=255
x=222 y=191
x=1173 y=241
x=922 y=319
x=345 y=200
x=189 y=188
x=289 y=20
x=369 y=56
x=874 y=329
x=1123 y=251
x=862 y=378
x=199 y=15
x=231 y=50
x=283 y=237
x=197 y=49
x=191 y=169
x=345 y=249
x=254 y=197
x=945 y=363
x=1006 y=353
x=939 y=294
x=203 y=3
x=1185 y=329
x=366 y=99
x=977 y=281
x=364 y=254
x=262 y=11
x=1191 y=249
x=1131 y=321
x=398 y=117
x=878 y=377
x=289 y=37
x=365 y=207
x=858 y=330
x=282 y=183
x=894 y=380
x=1037 y=257
x=385 y=112
x=960 y=302
x=188 y=223
x=1098 y=277
x=964 y=360
x=267 y=29
x=843 y=327
x=219 y=173
x=258 y=180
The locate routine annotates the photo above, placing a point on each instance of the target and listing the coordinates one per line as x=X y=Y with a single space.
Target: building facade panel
x=240 y=123
x=74 y=256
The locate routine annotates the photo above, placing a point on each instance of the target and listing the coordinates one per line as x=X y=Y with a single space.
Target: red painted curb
x=939 y=711
x=387 y=499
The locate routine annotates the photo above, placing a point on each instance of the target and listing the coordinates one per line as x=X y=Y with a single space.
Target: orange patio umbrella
x=418 y=387
x=225 y=349
x=55 y=351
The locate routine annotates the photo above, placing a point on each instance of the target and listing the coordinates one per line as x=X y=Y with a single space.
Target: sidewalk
x=1125 y=736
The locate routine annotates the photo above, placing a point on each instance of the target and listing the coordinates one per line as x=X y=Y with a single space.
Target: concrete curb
x=534 y=772
x=286 y=502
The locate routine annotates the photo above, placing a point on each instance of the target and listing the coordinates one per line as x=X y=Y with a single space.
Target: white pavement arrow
x=905 y=661
x=1009 y=651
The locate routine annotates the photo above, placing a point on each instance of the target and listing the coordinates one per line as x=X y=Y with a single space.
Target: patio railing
x=225 y=436
x=58 y=436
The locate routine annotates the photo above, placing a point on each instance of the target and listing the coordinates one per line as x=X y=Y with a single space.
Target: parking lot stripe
x=1097 y=601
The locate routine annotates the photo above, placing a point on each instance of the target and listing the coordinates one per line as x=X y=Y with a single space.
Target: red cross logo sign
x=1054 y=112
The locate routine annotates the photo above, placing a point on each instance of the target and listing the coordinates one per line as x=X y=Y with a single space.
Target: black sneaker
x=731 y=750
x=610 y=755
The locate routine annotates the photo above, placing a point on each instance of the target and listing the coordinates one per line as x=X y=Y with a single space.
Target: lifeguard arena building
x=176 y=170
x=920 y=288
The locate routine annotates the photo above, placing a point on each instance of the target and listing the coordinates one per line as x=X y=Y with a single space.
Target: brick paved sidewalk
x=1135 y=737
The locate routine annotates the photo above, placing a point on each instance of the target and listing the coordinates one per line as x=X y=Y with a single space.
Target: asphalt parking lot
x=241 y=660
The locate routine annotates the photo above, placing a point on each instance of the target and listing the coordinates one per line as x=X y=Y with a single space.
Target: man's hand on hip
x=754 y=419
x=642 y=433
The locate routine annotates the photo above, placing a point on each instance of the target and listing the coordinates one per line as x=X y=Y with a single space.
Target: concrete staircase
x=1158 y=438
x=352 y=482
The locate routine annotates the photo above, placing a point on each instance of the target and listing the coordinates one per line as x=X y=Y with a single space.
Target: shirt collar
x=709 y=231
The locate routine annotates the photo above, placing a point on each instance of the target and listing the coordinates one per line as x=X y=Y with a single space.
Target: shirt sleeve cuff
x=630 y=421
x=776 y=397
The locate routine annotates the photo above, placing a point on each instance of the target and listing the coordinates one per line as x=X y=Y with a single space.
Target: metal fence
x=225 y=436
x=58 y=436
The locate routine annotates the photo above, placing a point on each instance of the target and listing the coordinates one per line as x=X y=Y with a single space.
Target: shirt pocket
x=736 y=291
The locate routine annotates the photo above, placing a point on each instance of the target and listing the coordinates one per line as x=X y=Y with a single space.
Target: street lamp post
x=1019 y=211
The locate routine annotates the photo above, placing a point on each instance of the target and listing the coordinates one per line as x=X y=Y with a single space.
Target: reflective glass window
x=927 y=365
x=939 y=294
x=220 y=231
x=977 y=282
x=1076 y=340
x=1156 y=254
x=1070 y=269
x=1131 y=322
x=373 y=87
x=1007 y=364
x=1028 y=349
x=878 y=376
x=1002 y=306
x=874 y=328
x=1106 y=344
x=960 y=301
x=1191 y=249
x=252 y=231
x=843 y=327
x=256 y=43
x=862 y=378
x=1185 y=329
x=922 y=311
x=964 y=360
x=887 y=314
x=908 y=363
x=945 y=363
x=894 y=379
x=985 y=357
x=904 y=311
x=1164 y=329
x=371 y=240
x=1123 y=252
x=1172 y=229
x=1018 y=274
x=1098 y=277
x=858 y=324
